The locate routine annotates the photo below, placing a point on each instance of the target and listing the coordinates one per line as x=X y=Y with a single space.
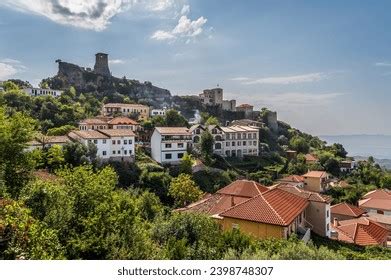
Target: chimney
x=232 y=201
x=335 y=222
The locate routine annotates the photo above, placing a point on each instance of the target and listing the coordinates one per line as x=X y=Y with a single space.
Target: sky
x=324 y=66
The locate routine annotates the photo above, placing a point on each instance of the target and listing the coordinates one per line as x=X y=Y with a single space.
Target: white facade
x=158 y=112
x=112 y=144
x=43 y=91
x=169 y=144
x=126 y=109
x=232 y=141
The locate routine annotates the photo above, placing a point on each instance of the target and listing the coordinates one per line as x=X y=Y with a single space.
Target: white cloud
x=9 y=67
x=284 y=80
x=185 y=28
x=383 y=64
x=185 y=10
x=92 y=14
x=116 y=61
x=295 y=99
x=240 y=79
x=161 y=35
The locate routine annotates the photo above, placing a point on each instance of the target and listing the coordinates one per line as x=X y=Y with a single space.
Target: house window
x=233 y=144
x=244 y=143
x=104 y=153
x=113 y=142
x=118 y=142
x=168 y=156
x=125 y=142
x=180 y=145
x=95 y=141
x=130 y=141
x=125 y=152
x=227 y=144
x=130 y=152
x=168 y=145
x=327 y=213
x=180 y=155
x=118 y=152
x=113 y=152
x=254 y=143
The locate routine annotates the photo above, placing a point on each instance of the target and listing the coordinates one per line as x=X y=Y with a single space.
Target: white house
x=158 y=112
x=112 y=144
x=240 y=141
x=169 y=144
x=43 y=91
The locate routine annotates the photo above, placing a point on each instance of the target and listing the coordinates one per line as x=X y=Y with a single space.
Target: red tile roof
x=316 y=174
x=379 y=193
x=347 y=210
x=376 y=203
x=86 y=134
x=361 y=231
x=275 y=207
x=293 y=178
x=310 y=196
x=173 y=130
x=93 y=121
x=122 y=120
x=309 y=157
x=117 y=132
x=243 y=188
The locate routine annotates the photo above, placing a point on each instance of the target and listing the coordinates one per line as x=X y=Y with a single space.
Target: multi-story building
x=229 y=105
x=123 y=123
x=158 y=112
x=92 y=124
x=42 y=91
x=377 y=201
x=169 y=144
x=240 y=141
x=316 y=181
x=111 y=109
x=212 y=97
x=247 y=109
x=112 y=144
x=232 y=141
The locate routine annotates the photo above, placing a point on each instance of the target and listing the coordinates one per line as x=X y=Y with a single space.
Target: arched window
x=218 y=146
x=196 y=139
x=218 y=138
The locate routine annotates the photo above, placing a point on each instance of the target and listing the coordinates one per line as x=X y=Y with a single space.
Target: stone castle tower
x=102 y=64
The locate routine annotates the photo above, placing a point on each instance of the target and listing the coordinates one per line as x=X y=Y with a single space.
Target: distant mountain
x=378 y=146
x=385 y=163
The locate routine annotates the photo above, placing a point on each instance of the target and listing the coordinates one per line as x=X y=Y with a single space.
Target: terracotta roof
x=376 y=203
x=347 y=210
x=275 y=206
x=379 y=218
x=243 y=188
x=93 y=121
x=57 y=139
x=213 y=204
x=379 y=193
x=173 y=130
x=87 y=134
x=316 y=174
x=293 y=178
x=122 y=120
x=194 y=127
x=117 y=132
x=309 y=157
x=310 y=196
x=123 y=105
x=361 y=231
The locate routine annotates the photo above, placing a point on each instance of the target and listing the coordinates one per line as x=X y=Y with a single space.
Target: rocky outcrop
x=88 y=80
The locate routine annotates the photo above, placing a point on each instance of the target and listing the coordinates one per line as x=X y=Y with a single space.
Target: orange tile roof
x=116 y=105
x=379 y=193
x=316 y=174
x=347 y=210
x=275 y=206
x=117 y=132
x=173 y=130
x=245 y=106
x=93 y=121
x=310 y=196
x=376 y=203
x=309 y=157
x=87 y=134
x=361 y=231
x=122 y=120
x=243 y=188
x=293 y=178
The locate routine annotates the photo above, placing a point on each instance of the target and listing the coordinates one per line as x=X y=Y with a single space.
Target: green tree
x=184 y=190
x=59 y=131
x=173 y=118
x=212 y=121
x=207 y=142
x=15 y=132
x=299 y=144
x=55 y=157
x=186 y=164
x=385 y=181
